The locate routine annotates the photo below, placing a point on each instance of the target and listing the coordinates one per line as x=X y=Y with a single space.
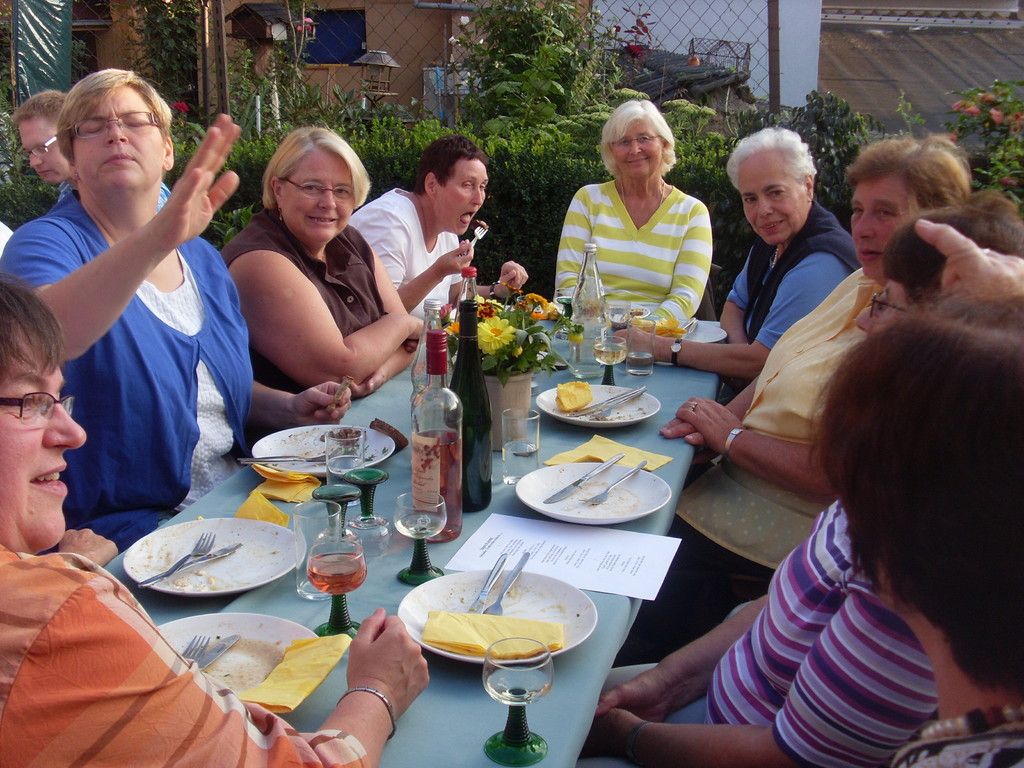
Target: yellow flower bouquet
x=512 y=338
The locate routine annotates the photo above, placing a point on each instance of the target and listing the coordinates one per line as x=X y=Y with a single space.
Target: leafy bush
x=990 y=121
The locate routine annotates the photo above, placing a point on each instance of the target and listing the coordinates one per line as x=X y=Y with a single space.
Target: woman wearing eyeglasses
x=653 y=240
x=318 y=302
x=155 y=343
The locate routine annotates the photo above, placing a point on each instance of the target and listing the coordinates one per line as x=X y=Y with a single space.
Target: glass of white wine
x=420 y=516
x=517 y=670
x=609 y=351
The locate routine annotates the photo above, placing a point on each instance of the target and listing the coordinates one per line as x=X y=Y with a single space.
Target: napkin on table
x=284 y=485
x=472 y=633
x=601 y=449
x=256 y=507
x=305 y=665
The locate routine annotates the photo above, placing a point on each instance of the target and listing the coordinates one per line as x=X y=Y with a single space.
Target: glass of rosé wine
x=420 y=516
x=336 y=566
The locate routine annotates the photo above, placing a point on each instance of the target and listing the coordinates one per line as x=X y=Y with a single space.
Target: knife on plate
x=571 y=487
x=607 y=403
x=488 y=583
x=217 y=650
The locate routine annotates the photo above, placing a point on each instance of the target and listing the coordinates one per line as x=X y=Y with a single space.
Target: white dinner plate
x=248 y=662
x=309 y=441
x=638 y=497
x=267 y=553
x=706 y=333
x=637 y=409
x=533 y=596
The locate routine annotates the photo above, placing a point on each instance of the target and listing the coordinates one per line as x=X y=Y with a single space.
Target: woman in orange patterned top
x=85 y=677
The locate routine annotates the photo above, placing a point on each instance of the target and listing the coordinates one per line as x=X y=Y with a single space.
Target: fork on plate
x=201 y=549
x=196 y=647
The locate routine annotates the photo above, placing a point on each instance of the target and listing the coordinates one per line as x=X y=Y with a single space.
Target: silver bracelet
x=379 y=695
x=728 y=441
x=631 y=741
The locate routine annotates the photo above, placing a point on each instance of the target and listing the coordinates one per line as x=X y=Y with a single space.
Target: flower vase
x=516 y=394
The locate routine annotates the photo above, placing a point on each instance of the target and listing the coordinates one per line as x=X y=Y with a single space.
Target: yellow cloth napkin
x=256 y=507
x=601 y=449
x=286 y=486
x=472 y=633
x=305 y=665
x=669 y=327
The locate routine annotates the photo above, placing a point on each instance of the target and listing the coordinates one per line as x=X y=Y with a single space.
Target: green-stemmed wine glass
x=517 y=670
x=337 y=566
x=609 y=351
x=420 y=516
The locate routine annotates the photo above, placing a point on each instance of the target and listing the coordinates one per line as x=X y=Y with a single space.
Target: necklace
x=975 y=721
x=775 y=257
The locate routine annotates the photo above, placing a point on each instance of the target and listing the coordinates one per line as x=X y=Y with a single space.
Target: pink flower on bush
x=181 y=106
x=987 y=98
x=1009 y=181
x=972 y=110
x=996 y=115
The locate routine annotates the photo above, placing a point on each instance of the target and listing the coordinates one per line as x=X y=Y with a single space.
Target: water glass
x=520 y=452
x=310 y=519
x=617 y=312
x=344 y=448
x=640 y=339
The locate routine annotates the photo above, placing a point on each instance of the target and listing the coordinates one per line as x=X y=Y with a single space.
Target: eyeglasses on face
x=315 y=191
x=879 y=305
x=36 y=406
x=640 y=141
x=39 y=150
x=95 y=126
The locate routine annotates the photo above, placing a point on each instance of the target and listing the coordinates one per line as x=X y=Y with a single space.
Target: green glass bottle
x=468 y=383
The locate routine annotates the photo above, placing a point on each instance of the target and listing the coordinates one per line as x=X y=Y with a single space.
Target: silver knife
x=488 y=583
x=217 y=650
x=571 y=487
x=604 y=405
x=216 y=555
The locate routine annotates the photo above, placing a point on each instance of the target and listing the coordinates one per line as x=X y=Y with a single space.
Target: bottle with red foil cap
x=468 y=288
x=437 y=437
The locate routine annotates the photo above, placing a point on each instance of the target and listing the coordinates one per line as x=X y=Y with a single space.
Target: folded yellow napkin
x=601 y=449
x=256 y=507
x=472 y=633
x=284 y=485
x=669 y=327
x=305 y=665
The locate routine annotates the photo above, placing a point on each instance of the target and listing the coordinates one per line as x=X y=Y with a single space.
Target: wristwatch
x=676 y=346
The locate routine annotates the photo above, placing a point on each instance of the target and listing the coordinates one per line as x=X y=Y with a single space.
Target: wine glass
x=609 y=350
x=517 y=670
x=370 y=527
x=336 y=566
x=420 y=516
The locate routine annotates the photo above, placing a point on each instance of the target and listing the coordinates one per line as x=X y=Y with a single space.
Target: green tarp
x=41 y=46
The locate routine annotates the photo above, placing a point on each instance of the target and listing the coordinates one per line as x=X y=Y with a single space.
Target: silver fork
x=603 y=495
x=196 y=647
x=478 y=232
x=202 y=547
x=495 y=609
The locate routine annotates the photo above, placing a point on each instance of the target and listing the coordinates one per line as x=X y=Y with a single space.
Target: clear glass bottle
x=437 y=437
x=468 y=384
x=467 y=290
x=431 y=320
x=588 y=318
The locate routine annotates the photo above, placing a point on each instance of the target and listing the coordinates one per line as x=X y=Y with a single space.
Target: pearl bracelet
x=382 y=697
x=631 y=741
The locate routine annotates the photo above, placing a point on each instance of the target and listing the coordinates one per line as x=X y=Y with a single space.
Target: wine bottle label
x=426 y=466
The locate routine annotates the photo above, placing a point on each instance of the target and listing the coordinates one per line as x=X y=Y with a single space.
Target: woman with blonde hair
x=653 y=240
x=318 y=302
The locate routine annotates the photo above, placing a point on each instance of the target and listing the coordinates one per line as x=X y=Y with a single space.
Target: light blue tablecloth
x=449 y=722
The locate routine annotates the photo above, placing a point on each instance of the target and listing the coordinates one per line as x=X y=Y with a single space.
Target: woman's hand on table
x=383 y=656
x=609 y=733
x=702 y=422
x=88 y=544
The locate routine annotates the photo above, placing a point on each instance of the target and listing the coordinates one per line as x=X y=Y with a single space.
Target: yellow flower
x=453 y=328
x=494 y=334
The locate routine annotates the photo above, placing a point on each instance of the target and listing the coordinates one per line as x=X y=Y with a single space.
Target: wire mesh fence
x=374 y=52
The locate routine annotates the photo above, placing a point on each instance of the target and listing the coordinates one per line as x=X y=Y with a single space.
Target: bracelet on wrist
x=379 y=695
x=631 y=741
x=729 y=439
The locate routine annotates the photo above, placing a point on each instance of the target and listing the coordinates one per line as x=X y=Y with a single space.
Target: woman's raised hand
x=200 y=192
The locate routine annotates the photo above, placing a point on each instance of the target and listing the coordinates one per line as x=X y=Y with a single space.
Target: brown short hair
x=934 y=169
x=30 y=336
x=989 y=218
x=45 y=104
x=919 y=438
x=87 y=93
x=440 y=157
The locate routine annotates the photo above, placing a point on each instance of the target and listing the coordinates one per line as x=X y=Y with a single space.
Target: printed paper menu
x=588 y=557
